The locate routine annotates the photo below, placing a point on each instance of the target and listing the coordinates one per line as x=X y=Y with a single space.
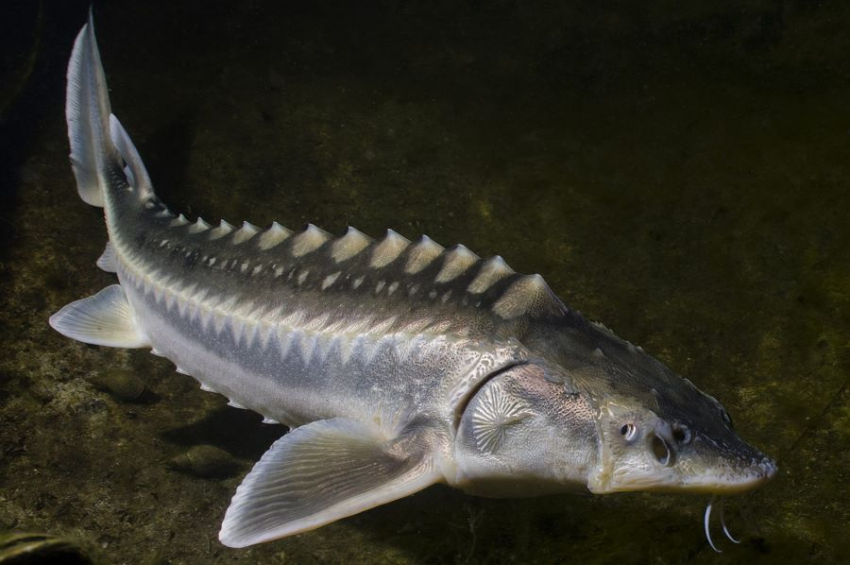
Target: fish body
x=397 y=364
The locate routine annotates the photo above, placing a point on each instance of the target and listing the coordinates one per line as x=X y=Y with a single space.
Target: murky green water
x=677 y=173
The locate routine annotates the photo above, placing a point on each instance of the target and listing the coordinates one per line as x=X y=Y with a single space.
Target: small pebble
x=122 y=384
x=206 y=461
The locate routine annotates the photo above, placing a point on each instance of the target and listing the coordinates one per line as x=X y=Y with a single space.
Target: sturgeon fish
x=395 y=364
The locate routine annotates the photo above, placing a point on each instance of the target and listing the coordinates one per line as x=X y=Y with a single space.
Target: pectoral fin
x=103 y=319
x=322 y=472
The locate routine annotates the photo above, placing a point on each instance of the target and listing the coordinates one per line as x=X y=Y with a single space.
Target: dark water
x=679 y=173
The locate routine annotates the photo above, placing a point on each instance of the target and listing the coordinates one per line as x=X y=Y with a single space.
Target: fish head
x=659 y=432
x=523 y=433
x=592 y=410
x=663 y=448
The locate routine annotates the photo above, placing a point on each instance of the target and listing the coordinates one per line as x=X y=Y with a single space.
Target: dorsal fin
x=137 y=174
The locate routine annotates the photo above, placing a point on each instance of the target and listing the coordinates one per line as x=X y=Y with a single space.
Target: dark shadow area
x=478 y=530
x=32 y=79
x=239 y=432
x=166 y=154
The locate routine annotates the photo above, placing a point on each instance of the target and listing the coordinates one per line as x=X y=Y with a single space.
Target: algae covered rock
x=206 y=461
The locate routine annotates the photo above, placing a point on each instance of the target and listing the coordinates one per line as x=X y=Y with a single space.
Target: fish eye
x=661 y=451
x=682 y=434
x=726 y=418
x=628 y=431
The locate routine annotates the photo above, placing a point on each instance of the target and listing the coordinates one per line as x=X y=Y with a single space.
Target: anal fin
x=103 y=319
x=322 y=472
x=107 y=260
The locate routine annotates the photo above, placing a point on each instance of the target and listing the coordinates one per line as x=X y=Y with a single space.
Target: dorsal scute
x=309 y=240
x=246 y=232
x=421 y=254
x=388 y=249
x=492 y=271
x=221 y=230
x=180 y=220
x=199 y=226
x=528 y=295
x=349 y=245
x=274 y=235
x=457 y=261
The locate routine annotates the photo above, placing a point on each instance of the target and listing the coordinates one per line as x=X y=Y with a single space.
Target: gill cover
x=523 y=434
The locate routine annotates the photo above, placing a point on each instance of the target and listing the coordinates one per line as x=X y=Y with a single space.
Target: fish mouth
x=726 y=480
x=729 y=481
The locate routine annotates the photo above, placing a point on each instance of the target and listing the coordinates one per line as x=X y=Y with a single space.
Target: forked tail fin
x=105 y=162
x=102 y=154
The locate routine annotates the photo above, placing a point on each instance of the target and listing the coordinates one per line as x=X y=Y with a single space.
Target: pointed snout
x=761 y=473
x=733 y=481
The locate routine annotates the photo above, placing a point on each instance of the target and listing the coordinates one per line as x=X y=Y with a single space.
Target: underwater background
x=677 y=171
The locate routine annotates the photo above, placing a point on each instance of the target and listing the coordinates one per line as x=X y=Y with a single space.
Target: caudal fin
x=101 y=151
x=105 y=162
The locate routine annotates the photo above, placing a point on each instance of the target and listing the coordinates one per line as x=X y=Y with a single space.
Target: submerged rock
x=206 y=461
x=122 y=384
